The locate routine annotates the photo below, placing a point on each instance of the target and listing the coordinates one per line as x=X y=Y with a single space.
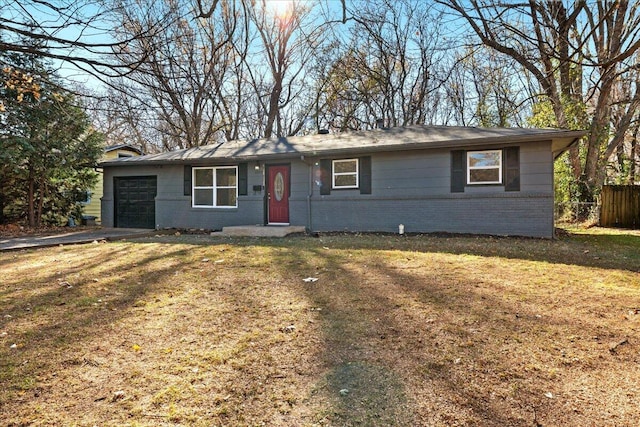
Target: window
x=345 y=173
x=215 y=187
x=484 y=167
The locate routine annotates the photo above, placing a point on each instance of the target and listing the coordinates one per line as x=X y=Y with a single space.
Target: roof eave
x=126 y=147
x=560 y=141
x=561 y=145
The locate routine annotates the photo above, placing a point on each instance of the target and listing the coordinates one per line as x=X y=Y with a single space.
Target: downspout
x=309 y=194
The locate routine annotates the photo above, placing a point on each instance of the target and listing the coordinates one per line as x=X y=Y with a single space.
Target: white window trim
x=213 y=187
x=470 y=168
x=335 y=174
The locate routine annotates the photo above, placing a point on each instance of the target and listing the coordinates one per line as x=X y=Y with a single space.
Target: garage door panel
x=135 y=201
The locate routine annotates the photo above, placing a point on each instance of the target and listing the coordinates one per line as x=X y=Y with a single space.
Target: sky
x=69 y=25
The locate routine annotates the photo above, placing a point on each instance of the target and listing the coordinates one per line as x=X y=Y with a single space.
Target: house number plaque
x=278 y=186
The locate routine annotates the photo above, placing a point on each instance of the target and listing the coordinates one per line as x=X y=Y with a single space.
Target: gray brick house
x=430 y=179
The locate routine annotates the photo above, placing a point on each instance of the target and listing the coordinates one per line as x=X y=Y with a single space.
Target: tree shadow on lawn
x=439 y=352
x=607 y=251
x=62 y=318
x=391 y=337
x=510 y=350
x=362 y=383
x=64 y=272
x=357 y=386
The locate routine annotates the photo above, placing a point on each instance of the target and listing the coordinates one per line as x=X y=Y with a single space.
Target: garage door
x=135 y=202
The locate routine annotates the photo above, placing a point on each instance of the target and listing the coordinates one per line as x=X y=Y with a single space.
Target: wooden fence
x=620 y=206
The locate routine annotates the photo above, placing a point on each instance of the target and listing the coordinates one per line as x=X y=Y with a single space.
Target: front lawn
x=386 y=330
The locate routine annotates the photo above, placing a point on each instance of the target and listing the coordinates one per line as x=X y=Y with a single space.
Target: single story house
x=92 y=204
x=496 y=181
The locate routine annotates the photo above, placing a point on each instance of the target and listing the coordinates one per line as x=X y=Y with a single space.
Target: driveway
x=73 y=237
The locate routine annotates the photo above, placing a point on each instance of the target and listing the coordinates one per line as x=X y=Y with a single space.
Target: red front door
x=278 y=194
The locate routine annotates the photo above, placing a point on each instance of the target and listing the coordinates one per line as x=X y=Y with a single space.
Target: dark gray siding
x=299 y=193
x=410 y=187
x=173 y=208
x=480 y=214
x=414 y=189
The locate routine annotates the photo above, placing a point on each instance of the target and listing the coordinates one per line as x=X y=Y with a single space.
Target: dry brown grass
x=415 y=331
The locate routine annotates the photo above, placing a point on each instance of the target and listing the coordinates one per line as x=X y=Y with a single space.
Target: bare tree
x=182 y=79
x=390 y=69
x=125 y=120
x=577 y=53
x=485 y=89
x=287 y=42
x=625 y=114
x=77 y=33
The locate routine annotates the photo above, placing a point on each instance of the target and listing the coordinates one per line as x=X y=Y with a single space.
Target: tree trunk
x=2 y=206
x=635 y=152
x=41 y=194
x=274 y=101
x=31 y=202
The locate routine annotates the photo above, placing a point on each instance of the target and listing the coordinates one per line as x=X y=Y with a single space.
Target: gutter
x=568 y=147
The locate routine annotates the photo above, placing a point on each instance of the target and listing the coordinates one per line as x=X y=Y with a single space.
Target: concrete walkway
x=73 y=237
x=88 y=236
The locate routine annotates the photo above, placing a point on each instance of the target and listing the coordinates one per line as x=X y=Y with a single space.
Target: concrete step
x=260 y=230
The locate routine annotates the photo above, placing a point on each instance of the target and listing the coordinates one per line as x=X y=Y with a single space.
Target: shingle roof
x=391 y=139
x=122 y=147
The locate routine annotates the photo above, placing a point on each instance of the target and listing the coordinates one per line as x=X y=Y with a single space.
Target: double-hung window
x=345 y=173
x=484 y=167
x=215 y=187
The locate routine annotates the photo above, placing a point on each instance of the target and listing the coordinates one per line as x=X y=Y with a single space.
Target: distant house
x=91 y=206
x=429 y=179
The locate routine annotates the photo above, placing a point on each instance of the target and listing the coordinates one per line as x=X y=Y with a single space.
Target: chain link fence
x=576 y=211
